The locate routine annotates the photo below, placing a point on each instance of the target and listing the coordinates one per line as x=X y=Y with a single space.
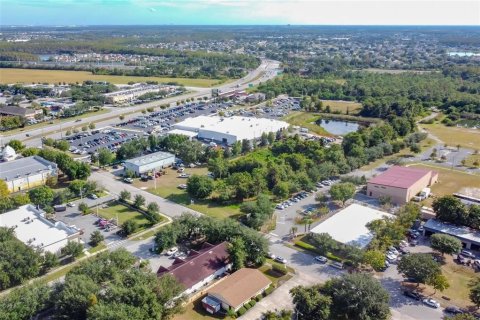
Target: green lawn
x=123 y=212
x=306 y=120
x=101 y=246
x=453 y=136
x=167 y=187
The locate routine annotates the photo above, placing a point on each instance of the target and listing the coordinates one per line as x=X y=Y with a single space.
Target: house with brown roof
x=235 y=290
x=401 y=184
x=199 y=267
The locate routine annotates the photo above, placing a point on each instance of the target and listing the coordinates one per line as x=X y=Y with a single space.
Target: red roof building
x=200 y=267
x=401 y=184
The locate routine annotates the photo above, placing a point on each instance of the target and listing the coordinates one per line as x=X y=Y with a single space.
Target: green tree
x=474 y=294
x=3 y=189
x=166 y=238
x=125 y=196
x=83 y=207
x=17 y=145
x=323 y=242
x=342 y=191
x=374 y=258
x=62 y=145
x=246 y=146
x=357 y=296
x=26 y=302
x=450 y=209
x=41 y=196
x=439 y=282
x=310 y=303
x=200 y=186
x=445 y=243
x=91 y=126
x=105 y=156
x=153 y=208
x=73 y=249
x=138 y=201
x=96 y=238
x=218 y=166
x=129 y=227
x=281 y=190
x=50 y=260
x=420 y=267
x=236 y=250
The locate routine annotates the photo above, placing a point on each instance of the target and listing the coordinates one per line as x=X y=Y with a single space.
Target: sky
x=239 y=12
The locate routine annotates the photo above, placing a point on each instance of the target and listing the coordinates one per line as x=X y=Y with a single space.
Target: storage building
x=401 y=184
x=150 y=162
x=27 y=173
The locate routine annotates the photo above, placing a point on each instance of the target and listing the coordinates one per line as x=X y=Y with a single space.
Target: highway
x=267 y=70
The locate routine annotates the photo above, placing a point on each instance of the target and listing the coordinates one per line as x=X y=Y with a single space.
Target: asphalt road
x=265 y=71
x=402 y=307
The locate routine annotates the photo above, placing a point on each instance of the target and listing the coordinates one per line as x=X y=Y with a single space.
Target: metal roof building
x=26 y=173
x=228 y=130
x=469 y=237
x=349 y=225
x=150 y=162
x=400 y=184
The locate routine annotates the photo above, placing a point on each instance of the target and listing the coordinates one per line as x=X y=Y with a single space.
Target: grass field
x=467 y=138
x=458 y=277
x=425 y=144
x=471 y=159
x=12 y=75
x=167 y=188
x=450 y=181
x=124 y=213
x=343 y=106
x=305 y=120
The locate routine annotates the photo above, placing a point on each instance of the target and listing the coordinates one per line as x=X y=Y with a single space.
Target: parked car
x=93 y=196
x=337 y=265
x=281 y=260
x=71 y=204
x=412 y=294
x=270 y=255
x=467 y=254
x=321 y=259
x=182 y=186
x=431 y=303
x=128 y=180
x=172 y=251
x=454 y=310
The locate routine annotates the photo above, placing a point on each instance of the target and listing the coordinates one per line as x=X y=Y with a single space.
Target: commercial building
x=235 y=290
x=26 y=113
x=470 y=237
x=128 y=95
x=200 y=267
x=27 y=173
x=32 y=228
x=349 y=225
x=231 y=129
x=150 y=162
x=401 y=184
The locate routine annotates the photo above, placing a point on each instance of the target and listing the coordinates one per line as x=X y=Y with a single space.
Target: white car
x=391 y=257
x=321 y=259
x=431 y=303
x=172 y=251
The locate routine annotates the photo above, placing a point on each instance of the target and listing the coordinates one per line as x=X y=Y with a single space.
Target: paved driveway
x=115 y=186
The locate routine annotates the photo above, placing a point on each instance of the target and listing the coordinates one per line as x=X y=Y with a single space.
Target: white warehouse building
x=35 y=230
x=230 y=129
x=150 y=162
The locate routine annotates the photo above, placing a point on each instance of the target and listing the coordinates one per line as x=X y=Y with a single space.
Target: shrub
x=259 y=297
x=241 y=311
x=333 y=257
x=280 y=268
x=247 y=306
x=253 y=302
x=269 y=290
x=305 y=246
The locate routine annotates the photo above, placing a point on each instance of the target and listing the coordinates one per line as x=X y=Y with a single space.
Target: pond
x=338 y=127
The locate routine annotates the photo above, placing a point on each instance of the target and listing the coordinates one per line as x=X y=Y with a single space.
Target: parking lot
x=87 y=223
x=89 y=142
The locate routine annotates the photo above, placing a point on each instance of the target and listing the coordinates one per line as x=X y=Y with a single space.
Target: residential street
x=309 y=272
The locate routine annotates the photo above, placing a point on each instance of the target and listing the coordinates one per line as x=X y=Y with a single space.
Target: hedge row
x=309 y=247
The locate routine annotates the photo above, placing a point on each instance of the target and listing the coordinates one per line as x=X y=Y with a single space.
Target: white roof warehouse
x=349 y=226
x=230 y=129
x=32 y=228
x=150 y=162
x=26 y=173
